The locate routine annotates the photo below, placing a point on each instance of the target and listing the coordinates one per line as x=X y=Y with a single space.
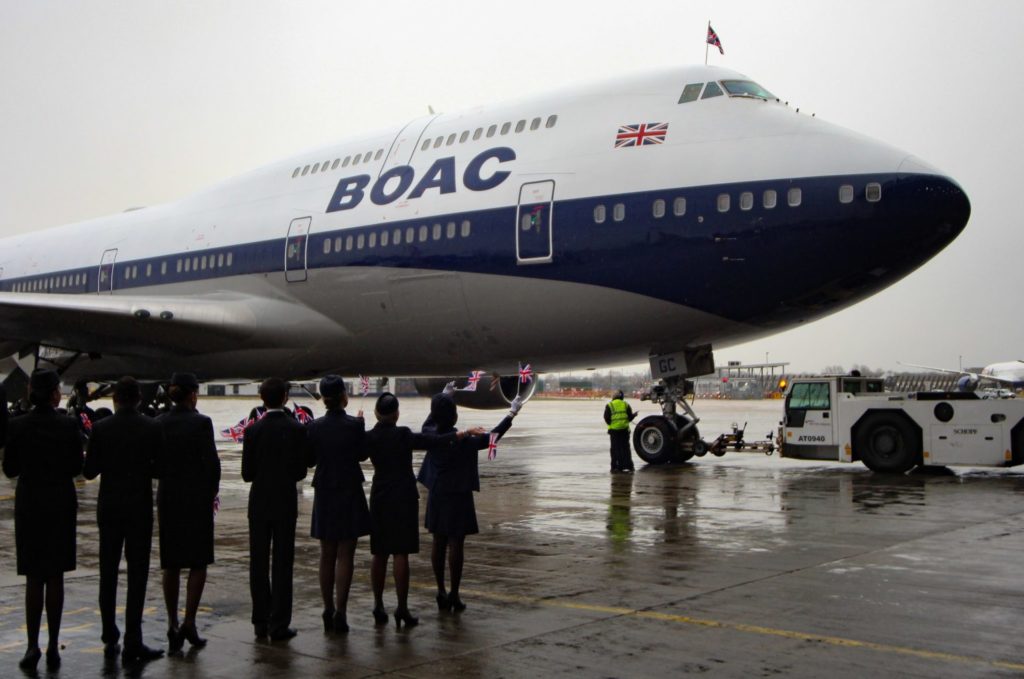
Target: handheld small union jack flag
x=216 y=506
x=236 y=432
x=472 y=381
x=713 y=39
x=364 y=384
x=525 y=374
x=492 y=446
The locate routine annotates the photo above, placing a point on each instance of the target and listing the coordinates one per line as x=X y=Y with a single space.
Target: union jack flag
x=236 y=432
x=364 y=384
x=641 y=134
x=473 y=380
x=492 y=446
x=713 y=39
x=525 y=373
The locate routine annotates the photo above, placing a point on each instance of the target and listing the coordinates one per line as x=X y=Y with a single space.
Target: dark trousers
x=621 y=457
x=135 y=537
x=271 y=583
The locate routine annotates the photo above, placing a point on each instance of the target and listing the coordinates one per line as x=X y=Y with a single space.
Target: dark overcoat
x=44 y=451
x=189 y=483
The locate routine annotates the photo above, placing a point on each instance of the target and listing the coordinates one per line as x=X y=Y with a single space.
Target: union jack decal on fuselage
x=641 y=134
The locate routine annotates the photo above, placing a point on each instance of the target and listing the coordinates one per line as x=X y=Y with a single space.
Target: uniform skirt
x=186 y=544
x=395 y=519
x=45 y=523
x=340 y=514
x=451 y=514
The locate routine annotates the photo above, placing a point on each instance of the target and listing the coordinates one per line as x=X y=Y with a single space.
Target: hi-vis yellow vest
x=620 y=418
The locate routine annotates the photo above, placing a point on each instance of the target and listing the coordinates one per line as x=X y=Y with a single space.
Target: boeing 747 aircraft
x=655 y=215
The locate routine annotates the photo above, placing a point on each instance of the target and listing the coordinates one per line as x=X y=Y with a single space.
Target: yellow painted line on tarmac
x=939 y=656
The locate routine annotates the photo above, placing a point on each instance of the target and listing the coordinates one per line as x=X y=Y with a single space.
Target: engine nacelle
x=484 y=398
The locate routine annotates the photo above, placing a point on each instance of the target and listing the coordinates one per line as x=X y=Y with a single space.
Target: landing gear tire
x=654 y=440
x=688 y=443
x=887 y=444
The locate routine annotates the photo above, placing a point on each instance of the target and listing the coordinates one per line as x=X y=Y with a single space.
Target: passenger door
x=534 y=224
x=295 y=249
x=105 y=278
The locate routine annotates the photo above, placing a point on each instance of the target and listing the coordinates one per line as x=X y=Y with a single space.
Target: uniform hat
x=185 y=381
x=44 y=380
x=387 y=404
x=332 y=385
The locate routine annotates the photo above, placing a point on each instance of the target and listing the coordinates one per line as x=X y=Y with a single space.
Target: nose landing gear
x=671 y=436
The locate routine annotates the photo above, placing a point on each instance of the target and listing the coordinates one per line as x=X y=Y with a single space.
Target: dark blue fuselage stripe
x=642 y=253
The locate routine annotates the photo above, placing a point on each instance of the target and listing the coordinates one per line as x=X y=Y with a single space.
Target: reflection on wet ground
x=744 y=565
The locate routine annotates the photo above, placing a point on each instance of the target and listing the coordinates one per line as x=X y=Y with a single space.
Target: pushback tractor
x=851 y=418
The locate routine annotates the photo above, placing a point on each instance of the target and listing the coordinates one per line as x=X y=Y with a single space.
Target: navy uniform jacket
x=125 y=449
x=455 y=468
x=274 y=455
x=336 y=448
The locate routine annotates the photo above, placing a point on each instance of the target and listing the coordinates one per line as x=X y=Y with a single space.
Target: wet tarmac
x=743 y=566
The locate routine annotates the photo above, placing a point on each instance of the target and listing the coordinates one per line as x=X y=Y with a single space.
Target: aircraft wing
x=151 y=325
x=974 y=376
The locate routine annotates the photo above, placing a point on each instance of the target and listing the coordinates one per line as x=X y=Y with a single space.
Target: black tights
x=455 y=547
x=38 y=589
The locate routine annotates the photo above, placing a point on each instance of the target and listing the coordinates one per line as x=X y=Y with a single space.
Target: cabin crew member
x=274 y=456
x=394 y=503
x=124 y=449
x=618 y=415
x=452 y=476
x=189 y=482
x=340 y=513
x=44 y=451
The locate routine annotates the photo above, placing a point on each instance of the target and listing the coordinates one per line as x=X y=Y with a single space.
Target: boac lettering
x=393 y=184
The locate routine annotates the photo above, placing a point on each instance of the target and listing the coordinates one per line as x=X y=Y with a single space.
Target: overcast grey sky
x=105 y=106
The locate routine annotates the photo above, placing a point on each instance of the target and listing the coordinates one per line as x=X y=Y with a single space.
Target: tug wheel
x=887 y=443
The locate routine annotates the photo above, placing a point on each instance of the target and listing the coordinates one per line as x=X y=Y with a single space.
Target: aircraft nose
x=934 y=206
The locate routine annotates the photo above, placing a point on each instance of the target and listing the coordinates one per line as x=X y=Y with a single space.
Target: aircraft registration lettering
x=393 y=184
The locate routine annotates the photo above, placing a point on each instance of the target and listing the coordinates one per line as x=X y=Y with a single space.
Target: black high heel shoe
x=341 y=622
x=31 y=659
x=442 y=602
x=328 y=616
x=456 y=603
x=175 y=640
x=406 y=617
x=380 y=616
x=52 y=659
x=190 y=633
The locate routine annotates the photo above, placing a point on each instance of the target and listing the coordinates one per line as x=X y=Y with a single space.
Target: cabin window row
x=328 y=165
x=872 y=193
x=492 y=130
x=50 y=282
x=201 y=263
x=398 y=236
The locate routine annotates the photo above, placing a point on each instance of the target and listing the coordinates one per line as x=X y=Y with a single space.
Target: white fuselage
x=477 y=239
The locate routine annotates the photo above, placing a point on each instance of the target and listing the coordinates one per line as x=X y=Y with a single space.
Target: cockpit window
x=712 y=90
x=690 y=92
x=746 y=88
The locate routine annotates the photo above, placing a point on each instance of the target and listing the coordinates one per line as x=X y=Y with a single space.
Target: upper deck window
x=690 y=93
x=746 y=88
x=712 y=90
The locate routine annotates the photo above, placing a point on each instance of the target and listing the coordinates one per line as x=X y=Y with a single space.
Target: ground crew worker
x=618 y=415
